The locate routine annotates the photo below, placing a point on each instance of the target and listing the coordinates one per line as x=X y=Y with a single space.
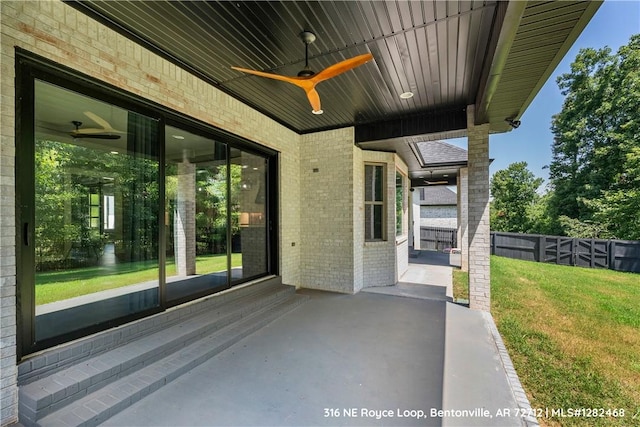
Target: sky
x=612 y=25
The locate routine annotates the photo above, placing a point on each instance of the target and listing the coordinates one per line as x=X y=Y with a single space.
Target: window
x=374 y=202
x=400 y=204
x=109 y=218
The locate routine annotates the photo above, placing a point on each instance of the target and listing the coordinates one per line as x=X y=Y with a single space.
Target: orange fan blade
x=269 y=75
x=314 y=99
x=306 y=83
x=341 y=67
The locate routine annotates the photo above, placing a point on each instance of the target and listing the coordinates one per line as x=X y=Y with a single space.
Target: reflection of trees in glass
x=65 y=176
x=56 y=194
x=211 y=207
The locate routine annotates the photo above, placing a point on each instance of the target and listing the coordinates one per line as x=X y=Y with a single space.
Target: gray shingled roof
x=439 y=195
x=438 y=152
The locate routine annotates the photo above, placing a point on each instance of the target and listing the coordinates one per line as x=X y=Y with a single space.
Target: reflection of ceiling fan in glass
x=104 y=132
x=430 y=182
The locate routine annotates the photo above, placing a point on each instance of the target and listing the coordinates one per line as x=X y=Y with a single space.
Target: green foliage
x=514 y=193
x=595 y=171
x=583 y=229
x=65 y=176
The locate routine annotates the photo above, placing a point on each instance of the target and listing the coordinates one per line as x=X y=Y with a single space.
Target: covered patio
x=130 y=124
x=403 y=355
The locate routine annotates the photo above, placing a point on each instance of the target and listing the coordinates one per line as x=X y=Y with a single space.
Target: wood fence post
x=541 y=248
x=611 y=247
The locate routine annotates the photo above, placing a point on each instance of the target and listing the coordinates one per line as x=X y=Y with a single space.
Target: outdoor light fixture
x=317 y=111
x=513 y=123
x=406 y=95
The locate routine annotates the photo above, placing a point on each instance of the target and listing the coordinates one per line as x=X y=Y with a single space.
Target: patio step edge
x=97 y=407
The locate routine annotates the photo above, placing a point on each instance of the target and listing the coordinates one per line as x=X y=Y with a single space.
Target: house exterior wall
x=463 y=217
x=321 y=234
x=379 y=257
x=327 y=211
x=60 y=33
x=439 y=216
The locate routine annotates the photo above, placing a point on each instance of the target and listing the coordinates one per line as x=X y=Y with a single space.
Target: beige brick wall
x=358 y=219
x=479 y=233
x=463 y=217
x=327 y=211
x=62 y=34
x=379 y=258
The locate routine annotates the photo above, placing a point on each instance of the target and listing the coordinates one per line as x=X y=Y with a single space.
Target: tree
x=594 y=172
x=514 y=193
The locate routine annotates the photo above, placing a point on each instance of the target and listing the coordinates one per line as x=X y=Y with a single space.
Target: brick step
x=54 y=394
x=56 y=359
x=97 y=407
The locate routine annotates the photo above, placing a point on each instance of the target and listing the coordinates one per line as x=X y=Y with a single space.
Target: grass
x=59 y=285
x=573 y=335
x=460 y=284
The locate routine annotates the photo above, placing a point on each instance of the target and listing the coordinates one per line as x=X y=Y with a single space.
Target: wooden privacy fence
x=437 y=238
x=620 y=255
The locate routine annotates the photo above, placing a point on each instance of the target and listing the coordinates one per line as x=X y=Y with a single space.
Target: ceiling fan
x=105 y=132
x=308 y=79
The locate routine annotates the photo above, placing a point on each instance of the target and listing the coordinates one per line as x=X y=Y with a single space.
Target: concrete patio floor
x=386 y=356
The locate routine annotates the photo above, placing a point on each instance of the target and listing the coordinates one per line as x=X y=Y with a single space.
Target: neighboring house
x=133 y=155
x=438 y=207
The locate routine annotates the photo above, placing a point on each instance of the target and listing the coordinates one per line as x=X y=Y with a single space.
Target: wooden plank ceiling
x=448 y=53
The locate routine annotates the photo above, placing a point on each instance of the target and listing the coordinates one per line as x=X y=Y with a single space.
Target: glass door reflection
x=248 y=215
x=195 y=215
x=96 y=212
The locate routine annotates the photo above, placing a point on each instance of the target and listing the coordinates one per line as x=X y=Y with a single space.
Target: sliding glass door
x=126 y=208
x=196 y=209
x=249 y=217
x=97 y=203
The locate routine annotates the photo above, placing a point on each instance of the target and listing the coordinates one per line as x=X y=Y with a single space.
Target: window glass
x=373 y=183
x=196 y=214
x=96 y=211
x=374 y=202
x=400 y=195
x=248 y=214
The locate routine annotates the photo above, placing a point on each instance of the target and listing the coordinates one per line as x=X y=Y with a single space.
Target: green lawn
x=60 y=285
x=460 y=284
x=573 y=334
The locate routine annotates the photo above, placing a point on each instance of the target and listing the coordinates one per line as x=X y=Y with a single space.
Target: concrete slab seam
x=512 y=376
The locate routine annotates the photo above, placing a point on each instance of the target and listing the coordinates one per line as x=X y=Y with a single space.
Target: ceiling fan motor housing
x=307 y=38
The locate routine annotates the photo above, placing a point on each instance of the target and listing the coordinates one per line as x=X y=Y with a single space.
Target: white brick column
x=184 y=224
x=463 y=217
x=479 y=234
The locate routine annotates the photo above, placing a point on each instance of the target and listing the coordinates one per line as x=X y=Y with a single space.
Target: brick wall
x=479 y=233
x=438 y=216
x=327 y=210
x=379 y=258
x=62 y=34
x=463 y=218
